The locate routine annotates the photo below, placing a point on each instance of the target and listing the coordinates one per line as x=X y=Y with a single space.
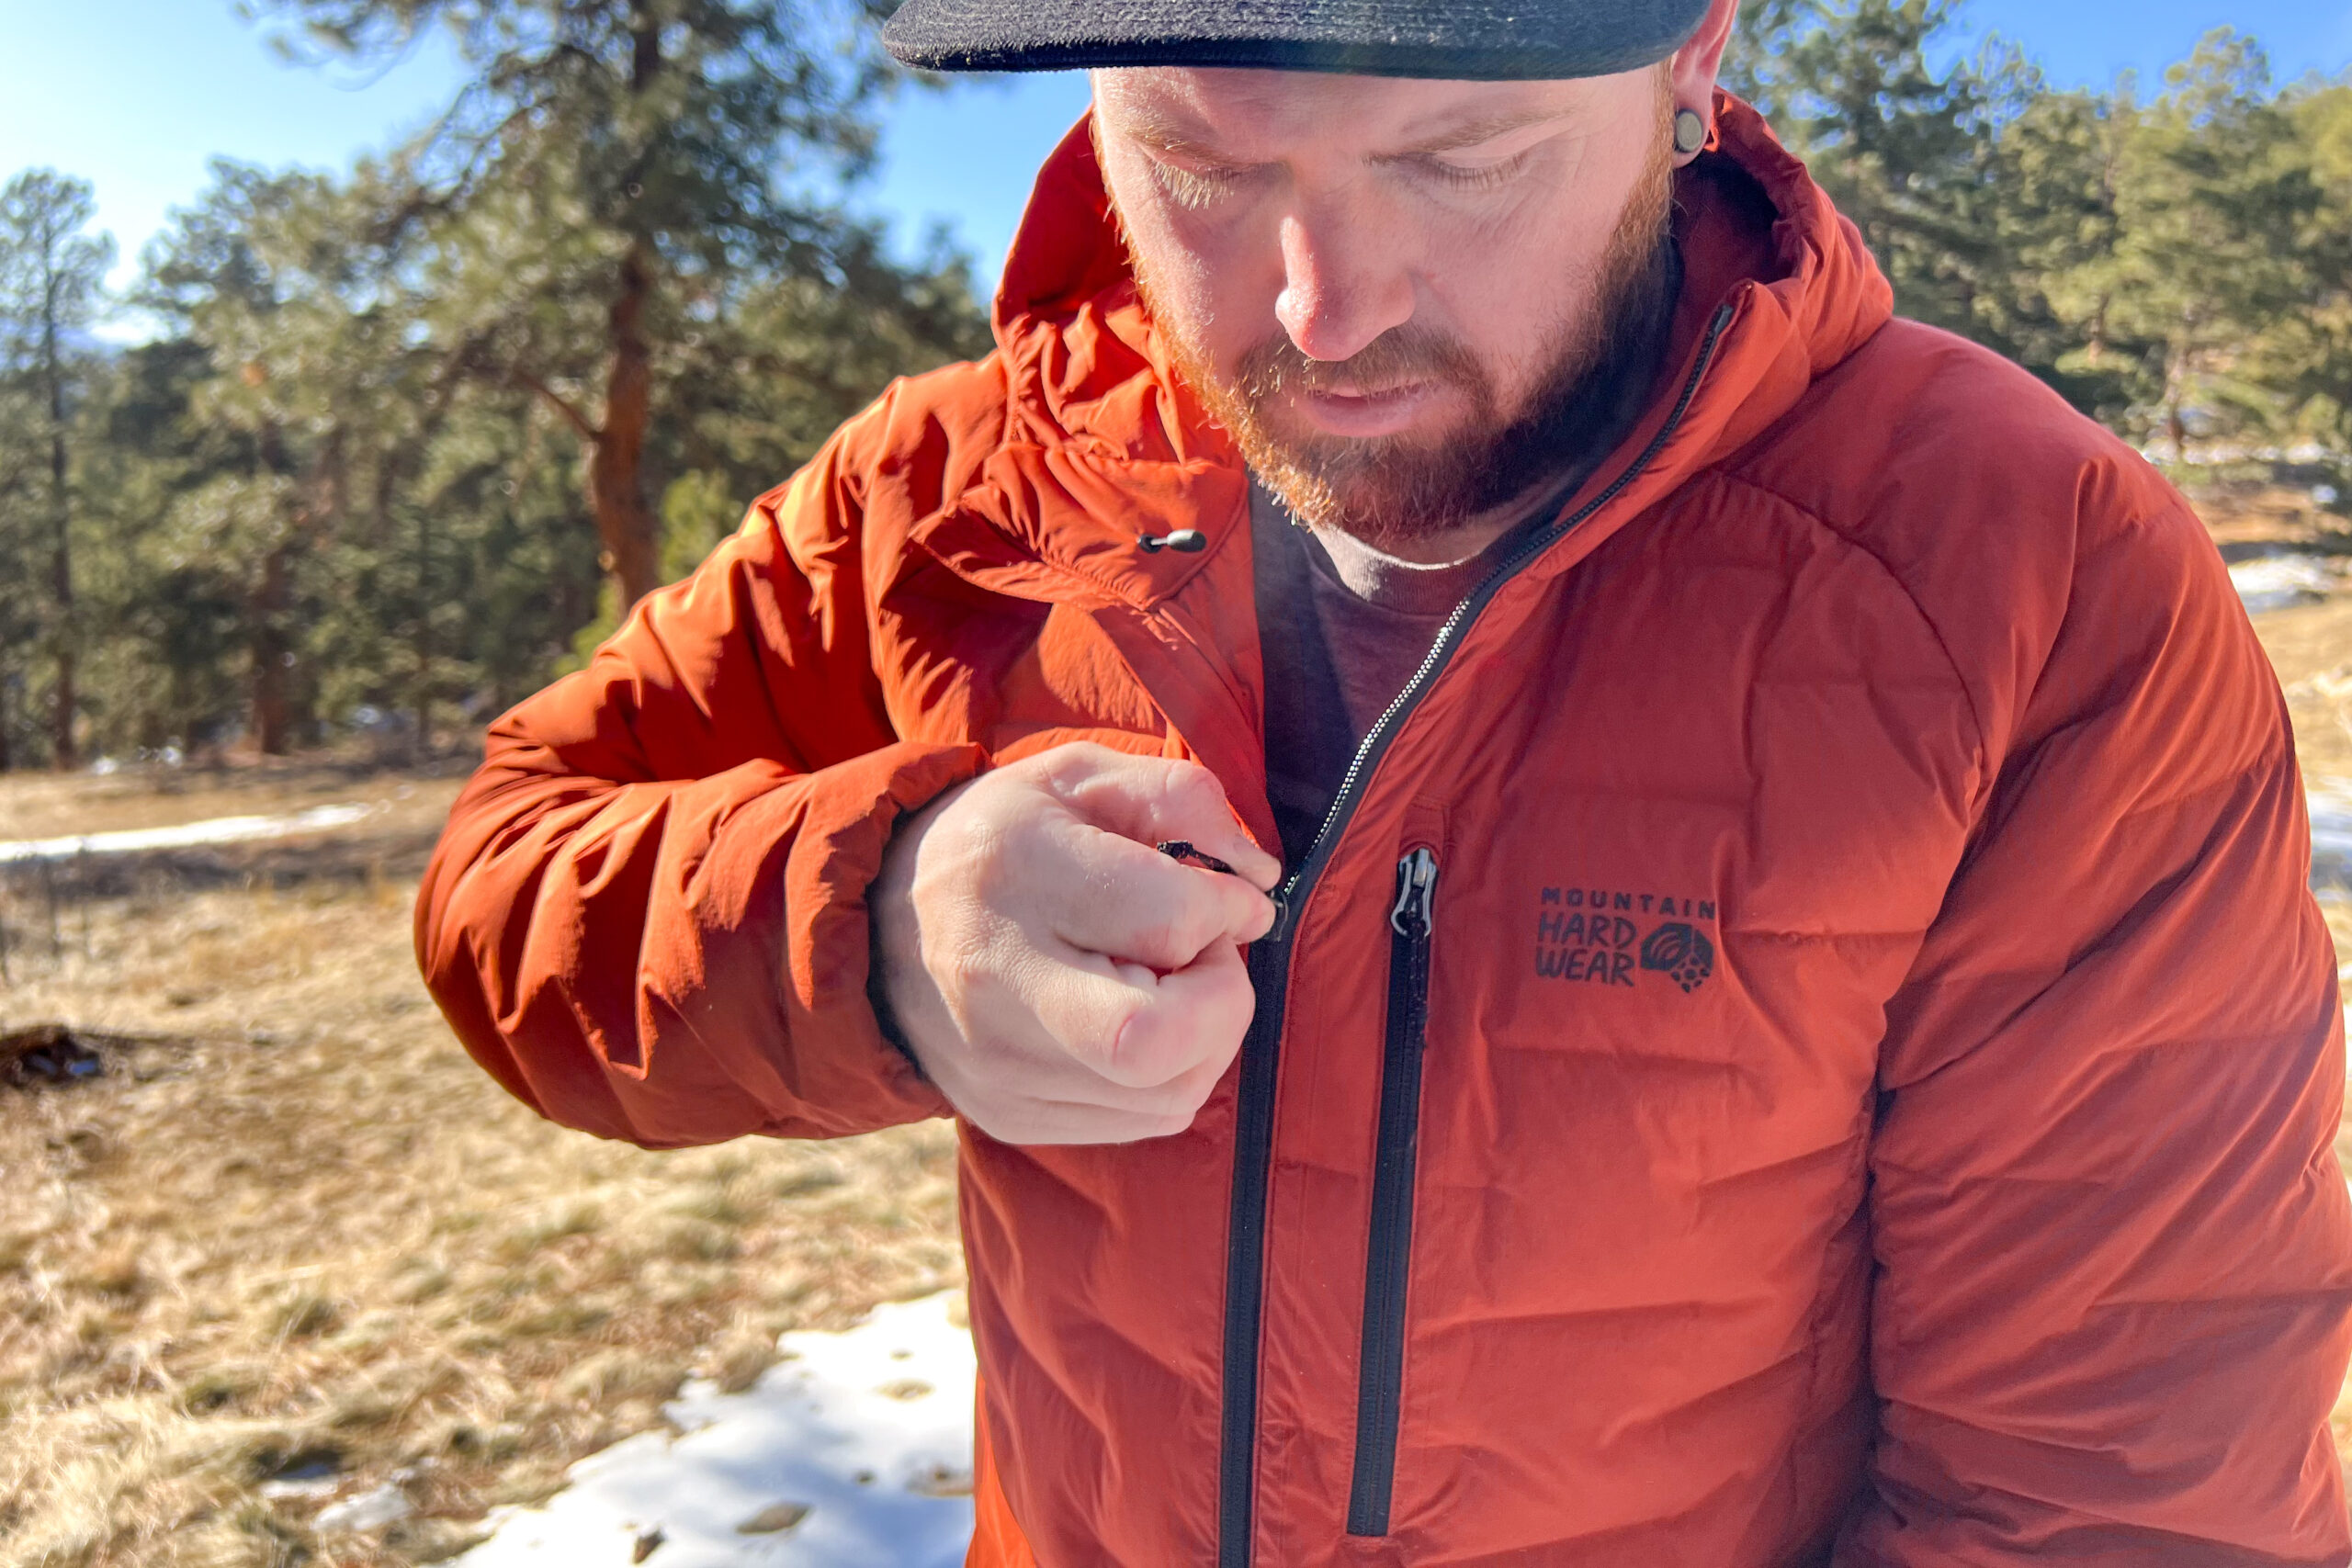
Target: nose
x=1343 y=284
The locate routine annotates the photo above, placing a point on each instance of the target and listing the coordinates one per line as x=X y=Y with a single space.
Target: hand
x=1058 y=978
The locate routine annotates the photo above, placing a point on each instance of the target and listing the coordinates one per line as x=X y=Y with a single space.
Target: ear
x=1691 y=73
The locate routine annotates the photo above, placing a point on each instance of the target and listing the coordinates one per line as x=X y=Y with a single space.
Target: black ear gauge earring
x=1689 y=132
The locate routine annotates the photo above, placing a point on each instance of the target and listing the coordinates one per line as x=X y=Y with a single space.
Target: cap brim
x=1459 y=40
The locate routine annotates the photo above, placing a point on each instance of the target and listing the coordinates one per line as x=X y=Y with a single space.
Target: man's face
x=1385 y=289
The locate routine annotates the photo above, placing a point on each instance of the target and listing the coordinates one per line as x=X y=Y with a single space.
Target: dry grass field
x=290 y=1245
x=2311 y=649
x=37 y=806
x=2310 y=645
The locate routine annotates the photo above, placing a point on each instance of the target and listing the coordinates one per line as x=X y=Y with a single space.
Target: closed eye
x=1194 y=186
x=1470 y=177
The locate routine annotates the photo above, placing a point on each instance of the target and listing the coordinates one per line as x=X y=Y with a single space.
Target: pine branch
x=578 y=421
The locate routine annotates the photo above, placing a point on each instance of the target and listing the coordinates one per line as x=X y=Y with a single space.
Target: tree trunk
x=626 y=524
x=2175 y=395
x=60 y=563
x=421 y=742
x=273 y=706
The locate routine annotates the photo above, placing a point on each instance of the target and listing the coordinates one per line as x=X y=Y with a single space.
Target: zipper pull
x=1282 y=897
x=1416 y=894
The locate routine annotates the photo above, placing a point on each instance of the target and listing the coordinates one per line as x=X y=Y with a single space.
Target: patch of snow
x=2205 y=453
x=315 y=1487
x=186 y=836
x=386 y=1504
x=855 y=1451
x=2331 y=813
x=2276 y=582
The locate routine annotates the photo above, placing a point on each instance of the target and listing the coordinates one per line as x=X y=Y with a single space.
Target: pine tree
x=1904 y=148
x=2213 y=191
x=52 y=280
x=609 y=177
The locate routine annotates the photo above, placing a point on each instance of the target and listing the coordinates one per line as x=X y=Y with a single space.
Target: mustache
x=1403 y=354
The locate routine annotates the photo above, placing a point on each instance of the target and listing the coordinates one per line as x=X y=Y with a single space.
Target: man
x=1583 y=904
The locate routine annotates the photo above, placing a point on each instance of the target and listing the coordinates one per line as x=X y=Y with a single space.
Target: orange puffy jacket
x=1804 y=1039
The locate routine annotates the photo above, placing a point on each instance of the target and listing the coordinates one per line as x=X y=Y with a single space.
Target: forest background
x=412 y=437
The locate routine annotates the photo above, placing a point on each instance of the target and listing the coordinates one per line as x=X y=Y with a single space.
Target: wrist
x=894 y=933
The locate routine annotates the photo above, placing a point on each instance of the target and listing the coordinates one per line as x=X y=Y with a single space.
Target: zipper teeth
x=1442 y=651
x=1389 y=1248
x=1245 y=1281
x=1253 y=1131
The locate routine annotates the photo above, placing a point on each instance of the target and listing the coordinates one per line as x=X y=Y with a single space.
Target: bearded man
x=1581 y=903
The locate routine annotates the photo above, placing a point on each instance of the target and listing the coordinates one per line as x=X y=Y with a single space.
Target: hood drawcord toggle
x=1183 y=541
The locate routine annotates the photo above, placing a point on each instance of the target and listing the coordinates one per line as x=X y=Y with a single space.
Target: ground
x=2309 y=644
x=299 y=1236
x=293 y=1245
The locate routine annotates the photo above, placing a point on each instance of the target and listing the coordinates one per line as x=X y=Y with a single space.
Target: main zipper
x=1270 y=973
x=1388 y=1254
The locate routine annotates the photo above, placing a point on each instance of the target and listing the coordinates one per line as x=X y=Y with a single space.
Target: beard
x=1394 y=492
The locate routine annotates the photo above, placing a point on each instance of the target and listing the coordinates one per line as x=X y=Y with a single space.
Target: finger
x=1036 y=1017
x=1193 y=1025
x=1053 y=1125
x=1080 y=1006
x=1034 y=1065
x=1089 y=1010
x=1131 y=902
x=1028 y=1090
x=1100 y=1112
x=1154 y=800
x=1183 y=1097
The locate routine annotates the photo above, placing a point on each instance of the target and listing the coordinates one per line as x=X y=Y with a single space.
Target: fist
x=1059 y=978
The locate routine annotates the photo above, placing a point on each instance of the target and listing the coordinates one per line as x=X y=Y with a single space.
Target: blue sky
x=136 y=94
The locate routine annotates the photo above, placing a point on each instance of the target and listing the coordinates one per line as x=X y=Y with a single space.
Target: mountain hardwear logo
x=1595 y=936
x=1680 y=952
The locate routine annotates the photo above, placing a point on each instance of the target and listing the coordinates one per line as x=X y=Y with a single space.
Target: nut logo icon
x=1682 y=953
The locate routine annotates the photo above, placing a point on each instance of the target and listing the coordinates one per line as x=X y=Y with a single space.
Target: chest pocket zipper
x=1388 y=1260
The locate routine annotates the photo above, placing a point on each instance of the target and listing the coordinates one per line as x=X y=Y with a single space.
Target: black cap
x=1496 y=40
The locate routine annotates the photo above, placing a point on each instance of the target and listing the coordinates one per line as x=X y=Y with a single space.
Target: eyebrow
x=1472 y=133
x=1163 y=135
x=1156 y=132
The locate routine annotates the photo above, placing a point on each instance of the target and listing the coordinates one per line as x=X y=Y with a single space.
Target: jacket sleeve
x=2114 y=1245
x=647 y=917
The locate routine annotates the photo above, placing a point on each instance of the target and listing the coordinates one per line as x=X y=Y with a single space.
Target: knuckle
x=1194 y=776
x=1137 y=1058
x=1162 y=933
x=1075 y=761
x=1202 y=917
x=960 y=970
x=987 y=883
x=1189 y=785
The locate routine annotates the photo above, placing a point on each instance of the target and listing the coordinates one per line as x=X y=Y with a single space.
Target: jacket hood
x=1778 y=287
